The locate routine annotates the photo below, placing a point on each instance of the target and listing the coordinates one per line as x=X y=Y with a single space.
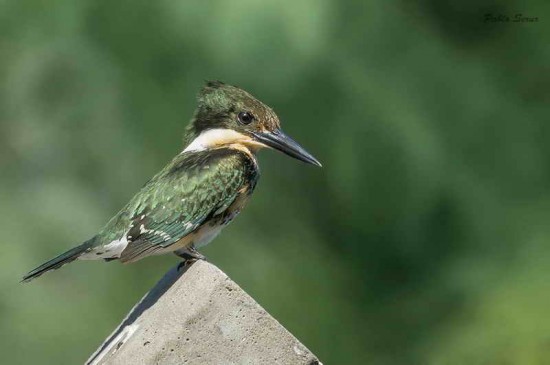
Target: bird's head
x=227 y=116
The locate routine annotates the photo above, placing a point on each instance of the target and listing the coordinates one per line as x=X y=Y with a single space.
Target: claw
x=190 y=254
x=184 y=264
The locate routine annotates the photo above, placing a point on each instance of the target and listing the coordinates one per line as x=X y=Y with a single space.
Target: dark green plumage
x=191 y=189
x=218 y=105
x=58 y=261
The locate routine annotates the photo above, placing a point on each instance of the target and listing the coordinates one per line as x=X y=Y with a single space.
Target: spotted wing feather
x=180 y=198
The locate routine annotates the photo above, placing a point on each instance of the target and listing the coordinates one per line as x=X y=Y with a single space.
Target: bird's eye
x=245 y=117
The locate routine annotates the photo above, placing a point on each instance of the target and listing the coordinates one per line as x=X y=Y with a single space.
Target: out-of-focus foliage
x=424 y=239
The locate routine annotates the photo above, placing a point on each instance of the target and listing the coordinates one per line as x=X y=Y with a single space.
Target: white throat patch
x=212 y=138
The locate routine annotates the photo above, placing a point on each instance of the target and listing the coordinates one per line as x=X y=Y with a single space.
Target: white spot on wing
x=111 y=250
x=220 y=210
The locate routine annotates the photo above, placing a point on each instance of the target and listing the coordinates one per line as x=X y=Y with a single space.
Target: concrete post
x=197 y=315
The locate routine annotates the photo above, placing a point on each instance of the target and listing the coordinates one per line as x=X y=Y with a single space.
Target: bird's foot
x=191 y=253
x=189 y=256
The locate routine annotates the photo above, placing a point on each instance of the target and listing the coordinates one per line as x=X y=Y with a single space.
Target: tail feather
x=58 y=261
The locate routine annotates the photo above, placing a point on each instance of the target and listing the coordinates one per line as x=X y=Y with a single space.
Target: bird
x=186 y=205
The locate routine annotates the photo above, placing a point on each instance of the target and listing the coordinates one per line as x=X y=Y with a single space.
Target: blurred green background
x=422 y=240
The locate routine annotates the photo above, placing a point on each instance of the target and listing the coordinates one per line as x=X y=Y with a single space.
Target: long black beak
x=280 y=141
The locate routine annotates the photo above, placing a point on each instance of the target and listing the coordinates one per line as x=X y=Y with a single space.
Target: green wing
x=191 y=189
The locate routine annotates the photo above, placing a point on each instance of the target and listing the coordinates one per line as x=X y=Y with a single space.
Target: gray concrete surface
x=197 y=315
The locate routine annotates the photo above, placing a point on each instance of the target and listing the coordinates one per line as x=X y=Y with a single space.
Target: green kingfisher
x=186 y=204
